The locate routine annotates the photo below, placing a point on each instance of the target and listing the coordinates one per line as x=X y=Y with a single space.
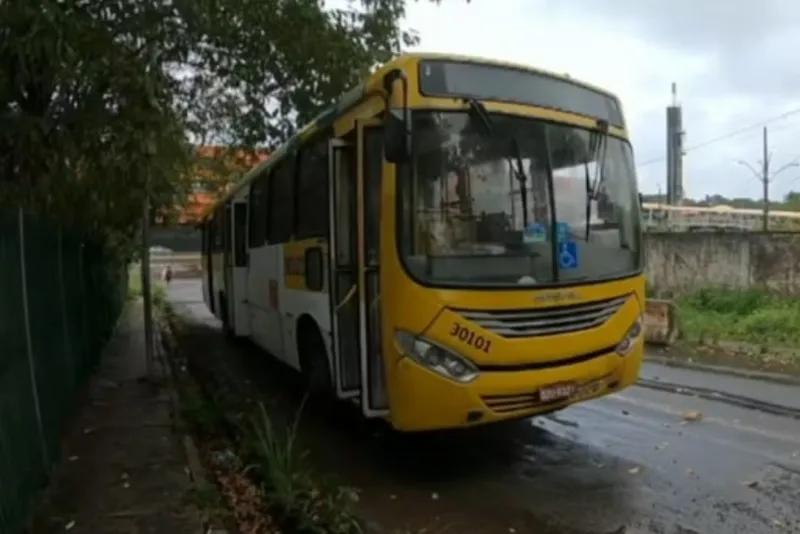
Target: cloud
x=732 y=62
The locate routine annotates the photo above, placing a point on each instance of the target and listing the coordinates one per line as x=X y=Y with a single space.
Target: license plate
x=557 y=392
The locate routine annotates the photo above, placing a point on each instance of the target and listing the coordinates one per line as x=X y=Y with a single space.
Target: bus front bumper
x=425 y=400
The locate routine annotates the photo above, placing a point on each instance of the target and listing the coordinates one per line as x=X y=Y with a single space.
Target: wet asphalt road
x=628 y=463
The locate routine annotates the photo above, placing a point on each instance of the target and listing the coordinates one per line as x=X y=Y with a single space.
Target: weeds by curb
x=257 y=467
x=205 y=497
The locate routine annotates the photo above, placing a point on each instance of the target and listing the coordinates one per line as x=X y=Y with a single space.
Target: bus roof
x=352 y=97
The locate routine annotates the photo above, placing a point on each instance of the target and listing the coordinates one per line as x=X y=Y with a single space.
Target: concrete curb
x=196 y=470
x=787 y=380
x=720 y=396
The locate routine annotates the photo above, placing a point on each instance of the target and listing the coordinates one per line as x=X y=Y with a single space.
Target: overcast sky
x=735 y=62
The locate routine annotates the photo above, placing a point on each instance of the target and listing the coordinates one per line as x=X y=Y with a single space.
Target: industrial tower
x=675 y=133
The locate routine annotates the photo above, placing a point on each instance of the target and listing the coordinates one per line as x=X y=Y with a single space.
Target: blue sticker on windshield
x=535 y=233
x=562 y=232
x=568 y=255
x=539 y=233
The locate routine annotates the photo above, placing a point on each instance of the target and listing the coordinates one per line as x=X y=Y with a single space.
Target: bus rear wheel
x=227 y=329
x=313 y=359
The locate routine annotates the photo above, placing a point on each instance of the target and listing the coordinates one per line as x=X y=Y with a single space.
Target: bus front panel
x=512 y=264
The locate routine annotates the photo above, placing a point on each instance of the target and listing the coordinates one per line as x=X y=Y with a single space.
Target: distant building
x=663 y=217
x=217 y=170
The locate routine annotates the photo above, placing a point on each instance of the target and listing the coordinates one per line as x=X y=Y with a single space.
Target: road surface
x=628 y=463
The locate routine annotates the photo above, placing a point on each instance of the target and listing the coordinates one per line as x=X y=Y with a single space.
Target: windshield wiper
x=522 y=178
x=483 y=121
x=598 y=146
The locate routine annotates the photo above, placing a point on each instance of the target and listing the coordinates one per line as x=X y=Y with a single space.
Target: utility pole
x=765 y=180
x=146 y=293
x=147 y=296
x=764 y=177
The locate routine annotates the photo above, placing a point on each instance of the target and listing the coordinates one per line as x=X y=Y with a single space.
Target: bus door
x=227 y=266
x=208 y=264
x=343 y=283
x=369 y=150
x=354 y=200
x=237 y=297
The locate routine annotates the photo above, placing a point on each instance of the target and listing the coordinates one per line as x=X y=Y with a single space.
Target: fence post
x=28 y=340
x=64 y=322
x=83 y=300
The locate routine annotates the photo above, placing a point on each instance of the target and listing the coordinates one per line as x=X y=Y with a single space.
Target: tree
x=792 y=201
x=286 y=59
x=102 y=100
x=87 y=124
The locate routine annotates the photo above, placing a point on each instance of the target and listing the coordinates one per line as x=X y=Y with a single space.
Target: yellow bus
x=457 y=242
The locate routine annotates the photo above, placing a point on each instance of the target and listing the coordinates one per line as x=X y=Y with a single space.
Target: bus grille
x=512 y=403
x=546 y=321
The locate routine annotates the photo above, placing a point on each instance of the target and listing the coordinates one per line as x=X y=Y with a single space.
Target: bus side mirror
x=641 y=200
x=396 y=122
x=396 y=137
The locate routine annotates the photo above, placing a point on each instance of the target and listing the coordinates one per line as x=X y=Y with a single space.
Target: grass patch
x=298 y=498
x=257 y=463
x=134 y=282
x=751 y=316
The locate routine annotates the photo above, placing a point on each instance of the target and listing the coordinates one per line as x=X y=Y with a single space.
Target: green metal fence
x=59 y=302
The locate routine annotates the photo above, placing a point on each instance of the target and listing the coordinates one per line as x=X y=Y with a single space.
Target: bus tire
x=313 y=358
x=226 y=325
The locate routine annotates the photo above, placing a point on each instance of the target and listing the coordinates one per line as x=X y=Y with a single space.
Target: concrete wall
x=180 y=239
x=683 y=262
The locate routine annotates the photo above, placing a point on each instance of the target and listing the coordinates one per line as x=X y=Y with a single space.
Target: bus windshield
x=470 y=216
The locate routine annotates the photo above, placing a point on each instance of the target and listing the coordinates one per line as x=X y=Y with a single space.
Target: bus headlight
x=436 y=358
x=631 y=337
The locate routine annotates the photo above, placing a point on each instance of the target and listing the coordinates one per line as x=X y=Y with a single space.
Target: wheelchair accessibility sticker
x=568 y=255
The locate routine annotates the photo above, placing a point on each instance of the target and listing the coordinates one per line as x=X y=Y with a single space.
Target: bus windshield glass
x=470 y=216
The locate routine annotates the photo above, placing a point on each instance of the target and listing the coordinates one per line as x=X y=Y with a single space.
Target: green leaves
x=260 y=69
x=102 y=100
x=83 y=106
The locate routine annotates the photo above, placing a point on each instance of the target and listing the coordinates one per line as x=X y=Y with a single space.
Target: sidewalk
x=759 y=390
x=122 y=470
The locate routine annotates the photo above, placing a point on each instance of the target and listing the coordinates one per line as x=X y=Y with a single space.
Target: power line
x=726 y=136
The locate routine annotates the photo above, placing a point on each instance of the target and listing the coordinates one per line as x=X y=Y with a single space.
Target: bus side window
x=240 y=234
x=345 y=194
x=312 y=191
x=281 y=202
x=219 y=232
x=257 y=226
x=213 y=234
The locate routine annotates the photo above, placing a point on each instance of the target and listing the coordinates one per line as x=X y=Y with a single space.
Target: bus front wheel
x=313 y=358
